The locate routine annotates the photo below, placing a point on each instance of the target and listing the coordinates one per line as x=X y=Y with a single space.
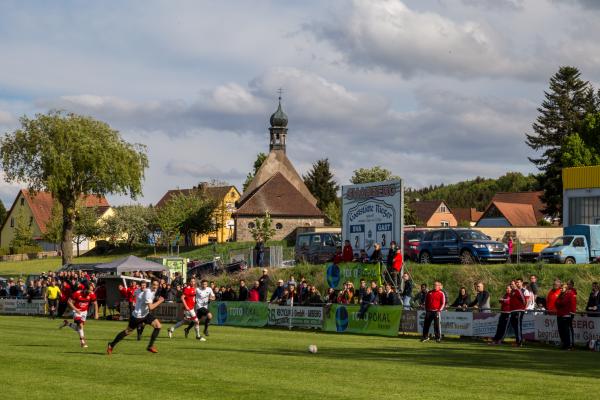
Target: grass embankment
x=264 y=363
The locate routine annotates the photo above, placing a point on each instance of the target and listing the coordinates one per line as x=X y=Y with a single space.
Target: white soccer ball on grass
x=312 y=348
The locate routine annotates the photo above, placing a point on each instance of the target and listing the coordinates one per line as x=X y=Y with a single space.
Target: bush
x=25 y=249
x=4 y=251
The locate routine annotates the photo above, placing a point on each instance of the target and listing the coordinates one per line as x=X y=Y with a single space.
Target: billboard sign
x=373 y=213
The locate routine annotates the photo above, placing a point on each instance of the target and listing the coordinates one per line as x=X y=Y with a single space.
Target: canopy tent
x=130 y=264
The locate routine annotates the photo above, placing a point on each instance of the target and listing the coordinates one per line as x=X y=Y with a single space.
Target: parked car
x=317 y=247
x=412 y=239
x=467 y=246
x=579 y=245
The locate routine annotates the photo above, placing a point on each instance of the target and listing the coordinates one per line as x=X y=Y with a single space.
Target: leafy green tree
x=86 y=225
x=333 y=213
x=410 y=217
x=321 y=183
x=2 y=213
x=368 y=175
x=71 y=155
x=23 y=233
x=133 y=223
x=575 y=153
x=561 y=114
x=54 y=226
x=260 y=159
x=263 y=229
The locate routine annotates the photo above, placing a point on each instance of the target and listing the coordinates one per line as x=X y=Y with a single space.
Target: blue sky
x=437 y=90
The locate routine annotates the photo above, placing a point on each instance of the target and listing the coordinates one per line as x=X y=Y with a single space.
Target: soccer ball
x=312 y=348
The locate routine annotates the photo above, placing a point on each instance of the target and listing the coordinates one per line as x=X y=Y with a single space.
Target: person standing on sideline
x=593 y=304
x=566 y=306
x=52 y=296
x=347 y=252
x=517 y=310
x=552 y=296
x=396 y=266
x=504 y=319
x=260 y=253
x=435 y=301
x=263 y=285
x=407 y=290
x=391 y=254
x=243 y=293
x=482 y=299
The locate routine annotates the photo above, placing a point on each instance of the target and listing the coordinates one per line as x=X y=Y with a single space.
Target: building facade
x=581 y=195
x=433 y=213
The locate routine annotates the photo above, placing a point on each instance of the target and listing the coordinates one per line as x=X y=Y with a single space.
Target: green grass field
x=38 y=360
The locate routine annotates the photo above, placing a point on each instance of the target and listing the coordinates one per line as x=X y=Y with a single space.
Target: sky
x=437 y=91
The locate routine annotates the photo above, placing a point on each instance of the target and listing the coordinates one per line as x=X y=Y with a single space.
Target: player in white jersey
x=142 y=314
x=204 y=295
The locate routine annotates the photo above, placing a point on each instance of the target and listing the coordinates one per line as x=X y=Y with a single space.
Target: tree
x=86 y=225
x=2 y=213
x=375 y=174
x=263 y=229
x=321 y=183
x=568 y=101
x=54 y=225
x=260 y=159
x=333 y=213
x=71 y=155
x=410 y=217
x=23 y=232
x=133 y=223
x=575 y=153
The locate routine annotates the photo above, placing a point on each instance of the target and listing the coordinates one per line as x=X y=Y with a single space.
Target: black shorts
x=201 y=312
x=101 y=303
x=53 y=303
x=135 y=322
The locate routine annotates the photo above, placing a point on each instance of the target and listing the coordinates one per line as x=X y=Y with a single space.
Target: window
x=316 y=239
x=578 y=242
x=437 y=236
x=278 y=226
x=251 y=225
x=584 y=210
x=303 y=241
x=444 y=223
x=22 y=201
x=443 y=209
x=12 y=222
x=450 y=236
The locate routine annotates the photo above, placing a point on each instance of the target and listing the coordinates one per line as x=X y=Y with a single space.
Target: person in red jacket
x=347 y=252
x=502 y=328
x=338 y=257
x=435 y=301
x=253 y=294
x=396 y=266
x=566 y=306
x=517 y=305
x=552 y=296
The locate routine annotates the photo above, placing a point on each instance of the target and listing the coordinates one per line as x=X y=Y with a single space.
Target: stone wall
x=286 y=230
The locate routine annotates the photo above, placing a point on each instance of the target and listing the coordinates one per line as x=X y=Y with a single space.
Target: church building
x=277 y=189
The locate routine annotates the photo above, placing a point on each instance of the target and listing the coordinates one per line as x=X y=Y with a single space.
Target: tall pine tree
x=566 y=104
x=321 y=183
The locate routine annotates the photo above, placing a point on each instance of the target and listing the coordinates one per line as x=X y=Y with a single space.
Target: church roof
x=277 y=162
x=280 y=197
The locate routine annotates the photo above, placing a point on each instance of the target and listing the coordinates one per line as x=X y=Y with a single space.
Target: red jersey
x=101 y=292
x=397 y=262
x=505 y=303
x=517 y=300
x=435 y=300
x=551 y=300
x=253 y=295
x=123 y=293
x=189 y=297
x=338 y=258
x=65 y=293
x=82 y=301
x=347 y=254
x=566 y=303
x=131 y=294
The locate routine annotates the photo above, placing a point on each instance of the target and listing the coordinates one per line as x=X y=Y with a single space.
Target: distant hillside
x=475 y=193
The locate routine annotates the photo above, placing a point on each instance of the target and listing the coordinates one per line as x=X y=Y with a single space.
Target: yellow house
x=225 y=197
x=36 y=210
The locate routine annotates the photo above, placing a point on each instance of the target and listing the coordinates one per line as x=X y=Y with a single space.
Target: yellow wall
x=223 y=214
x=581 y=177
x=8 y=232
x=108 y=213
x=439 y=216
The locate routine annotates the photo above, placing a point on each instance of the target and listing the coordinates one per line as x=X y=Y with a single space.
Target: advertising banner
x=378 y=320
x=338 y=274
x=408 y=323
x=239 y=313
x=22 y=307
x=453 y=323
x=585 y=328
x=372 y=213
x=303 y=317
x=485 y=324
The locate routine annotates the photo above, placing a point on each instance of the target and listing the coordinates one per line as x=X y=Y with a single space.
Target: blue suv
x=460 y=245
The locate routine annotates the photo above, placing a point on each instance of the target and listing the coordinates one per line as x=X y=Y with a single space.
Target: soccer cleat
x=438 y=340
x=64 y=323
x=84 y=345
x=170 y=333
x=200 y=338
x=424 y=340
x=109 y=349
x=186 y=331
x=152 y=349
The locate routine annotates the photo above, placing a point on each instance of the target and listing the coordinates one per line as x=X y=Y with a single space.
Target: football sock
x=197 y=329
x=81 y=334
x=177 y=325
x=73 y=326
x=153 y=337
x=118 y=338
x=206 y=322
x=191 y=325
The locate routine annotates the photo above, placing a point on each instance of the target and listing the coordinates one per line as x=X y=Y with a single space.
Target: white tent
x=130 y=264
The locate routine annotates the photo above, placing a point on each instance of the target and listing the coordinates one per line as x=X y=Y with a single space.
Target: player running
x=142 y=314
x=204 y=295
x=52 y=296
x=80 y=304
x=188 y=298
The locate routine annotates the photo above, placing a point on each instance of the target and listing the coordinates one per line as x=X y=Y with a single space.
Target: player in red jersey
x=65 y=295
x=188 y=298
x=80 y=304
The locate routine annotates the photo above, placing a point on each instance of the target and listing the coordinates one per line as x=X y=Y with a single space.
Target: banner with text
x=22 y=307
x=585 y=328
x=343 y=272
x=453 y=323
x=377 y=320
x=239 y=313
x=302 y=317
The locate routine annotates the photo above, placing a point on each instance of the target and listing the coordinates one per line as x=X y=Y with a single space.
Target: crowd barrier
x=378 y=320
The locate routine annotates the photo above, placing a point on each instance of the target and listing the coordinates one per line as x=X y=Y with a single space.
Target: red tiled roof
x=425 y=209
x=516 y=214
x=280 y=198
x=531 y=198
x=466 y=214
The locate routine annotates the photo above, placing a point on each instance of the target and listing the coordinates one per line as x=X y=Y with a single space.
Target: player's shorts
x=201 y=312
x=190 y=315
x=101 y=303
x=135 y=322
x=53 y=303
x=79 y=316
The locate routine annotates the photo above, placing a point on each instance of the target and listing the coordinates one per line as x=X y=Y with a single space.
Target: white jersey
x=529 y=298
x=203 y=297
x=143 y=298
